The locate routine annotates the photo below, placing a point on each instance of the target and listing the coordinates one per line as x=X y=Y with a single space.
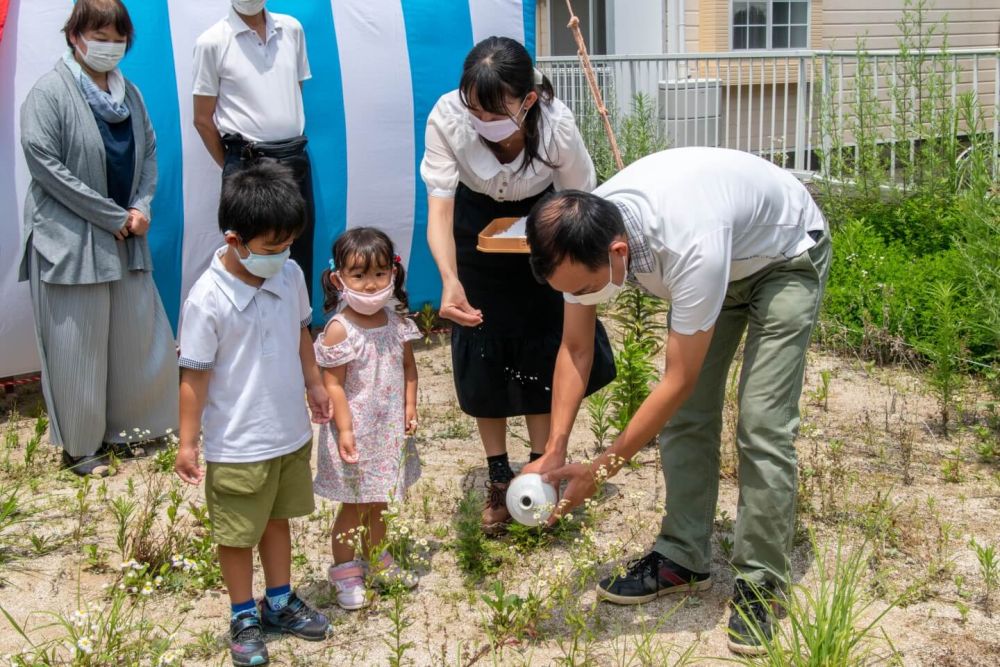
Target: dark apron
x=504 y=366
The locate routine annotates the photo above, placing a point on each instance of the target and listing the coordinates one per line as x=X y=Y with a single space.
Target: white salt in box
x=504 y=235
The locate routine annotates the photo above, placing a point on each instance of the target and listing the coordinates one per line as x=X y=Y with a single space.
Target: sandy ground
x=873 y=416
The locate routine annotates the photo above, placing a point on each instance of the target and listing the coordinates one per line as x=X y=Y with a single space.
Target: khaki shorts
x=243 y=497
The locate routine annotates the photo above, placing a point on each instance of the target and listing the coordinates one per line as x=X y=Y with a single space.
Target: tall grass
x=834 y=622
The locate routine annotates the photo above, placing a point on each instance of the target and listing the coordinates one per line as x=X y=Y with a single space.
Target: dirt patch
x=876 y=470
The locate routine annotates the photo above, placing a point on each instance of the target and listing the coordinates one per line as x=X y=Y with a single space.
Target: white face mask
x=603 y=295
x=264 y=266
x=497 y=130
x=102 y=56
x=248 y=7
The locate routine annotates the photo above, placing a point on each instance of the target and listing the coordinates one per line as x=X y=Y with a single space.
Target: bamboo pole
x=588 y=70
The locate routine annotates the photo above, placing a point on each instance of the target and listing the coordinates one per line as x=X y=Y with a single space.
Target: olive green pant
x=777 y=307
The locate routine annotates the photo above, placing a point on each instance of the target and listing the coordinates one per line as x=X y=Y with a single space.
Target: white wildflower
x=168 y=658
x=85 y=645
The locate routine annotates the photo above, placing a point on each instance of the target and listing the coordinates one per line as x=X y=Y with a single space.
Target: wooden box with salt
x=504 y=235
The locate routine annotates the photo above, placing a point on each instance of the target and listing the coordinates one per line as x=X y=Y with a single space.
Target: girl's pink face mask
x=367 y=303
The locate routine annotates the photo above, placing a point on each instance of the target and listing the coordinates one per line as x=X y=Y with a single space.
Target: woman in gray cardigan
x=109 y=364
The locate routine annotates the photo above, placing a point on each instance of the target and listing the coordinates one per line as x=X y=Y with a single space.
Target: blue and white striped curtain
x=378 y=67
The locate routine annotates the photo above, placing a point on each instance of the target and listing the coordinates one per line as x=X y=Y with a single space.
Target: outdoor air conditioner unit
x=690 y=111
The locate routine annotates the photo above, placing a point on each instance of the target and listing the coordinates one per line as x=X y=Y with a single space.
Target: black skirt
x=504 y=366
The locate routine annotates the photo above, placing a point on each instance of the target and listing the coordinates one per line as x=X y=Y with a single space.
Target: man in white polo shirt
x=248 y=74
x=736 y=245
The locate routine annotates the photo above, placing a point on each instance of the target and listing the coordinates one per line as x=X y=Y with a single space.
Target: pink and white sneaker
x=348 y=580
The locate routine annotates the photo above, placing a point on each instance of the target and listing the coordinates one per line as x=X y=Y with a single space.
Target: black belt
x=251 y=150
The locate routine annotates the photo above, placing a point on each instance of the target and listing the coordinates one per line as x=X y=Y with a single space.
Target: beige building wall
x=754 y=117
x=836 y=24
x=971 y=23
x=543 y=40
x=691 y=13
x=760 y=117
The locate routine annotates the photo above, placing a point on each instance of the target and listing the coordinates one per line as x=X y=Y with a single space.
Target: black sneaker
x=648 y=578
x=750 y=618
x=246 y=641
x=296 y=618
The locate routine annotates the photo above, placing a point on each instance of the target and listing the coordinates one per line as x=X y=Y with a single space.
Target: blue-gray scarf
x=110 y=105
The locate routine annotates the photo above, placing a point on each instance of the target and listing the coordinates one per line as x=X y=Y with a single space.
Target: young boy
x=246 y=360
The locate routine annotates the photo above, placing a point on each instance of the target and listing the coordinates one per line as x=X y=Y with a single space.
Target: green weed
x=989 y=569
x=112 y=632
x=509 y=615
x=398 y=647
x=946 y=352
x=599 y=410
x=834 y=622
x=472 y=549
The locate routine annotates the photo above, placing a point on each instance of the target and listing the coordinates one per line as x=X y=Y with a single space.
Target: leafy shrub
x=924 y=223
x=880 y=299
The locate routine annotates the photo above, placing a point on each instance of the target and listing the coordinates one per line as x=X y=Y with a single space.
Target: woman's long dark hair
x=369 y=247
x=500 y=67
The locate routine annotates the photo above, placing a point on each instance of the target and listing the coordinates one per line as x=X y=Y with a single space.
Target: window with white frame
x=770 y=24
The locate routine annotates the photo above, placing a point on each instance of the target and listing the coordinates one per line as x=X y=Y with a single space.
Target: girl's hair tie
x=333 y=267
x=396 y=259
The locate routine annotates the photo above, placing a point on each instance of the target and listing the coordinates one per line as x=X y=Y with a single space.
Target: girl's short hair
x=500 y=67
x=369 y=247
x=97 y=14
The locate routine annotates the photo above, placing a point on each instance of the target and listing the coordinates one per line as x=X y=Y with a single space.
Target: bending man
x=736 y=245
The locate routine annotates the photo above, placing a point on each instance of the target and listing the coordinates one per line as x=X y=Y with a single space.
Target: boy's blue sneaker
x=246 y=641
x=296 y=618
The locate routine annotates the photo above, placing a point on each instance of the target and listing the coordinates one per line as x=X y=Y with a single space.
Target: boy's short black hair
x=575 y=225
x=262 y=200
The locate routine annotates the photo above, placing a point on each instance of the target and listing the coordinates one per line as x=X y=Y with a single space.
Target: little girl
x=365 y=456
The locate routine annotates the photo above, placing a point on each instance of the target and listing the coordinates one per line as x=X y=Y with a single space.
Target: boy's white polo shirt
x=249 y=338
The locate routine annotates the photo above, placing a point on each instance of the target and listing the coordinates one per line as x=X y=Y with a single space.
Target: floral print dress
x=376 y=392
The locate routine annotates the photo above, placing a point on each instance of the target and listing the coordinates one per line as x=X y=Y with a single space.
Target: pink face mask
x=365 y=303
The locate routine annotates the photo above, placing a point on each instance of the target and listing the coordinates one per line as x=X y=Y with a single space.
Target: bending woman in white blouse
x=494 y=147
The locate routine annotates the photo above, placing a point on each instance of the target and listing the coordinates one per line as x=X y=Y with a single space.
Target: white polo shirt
x=700 y=218
x=256 y=82
x=249 y=338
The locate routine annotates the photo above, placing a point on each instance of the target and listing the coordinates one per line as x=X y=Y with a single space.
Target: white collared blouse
x=455 y=153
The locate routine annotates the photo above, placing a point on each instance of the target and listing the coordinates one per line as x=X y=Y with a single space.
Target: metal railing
x=774 y=103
